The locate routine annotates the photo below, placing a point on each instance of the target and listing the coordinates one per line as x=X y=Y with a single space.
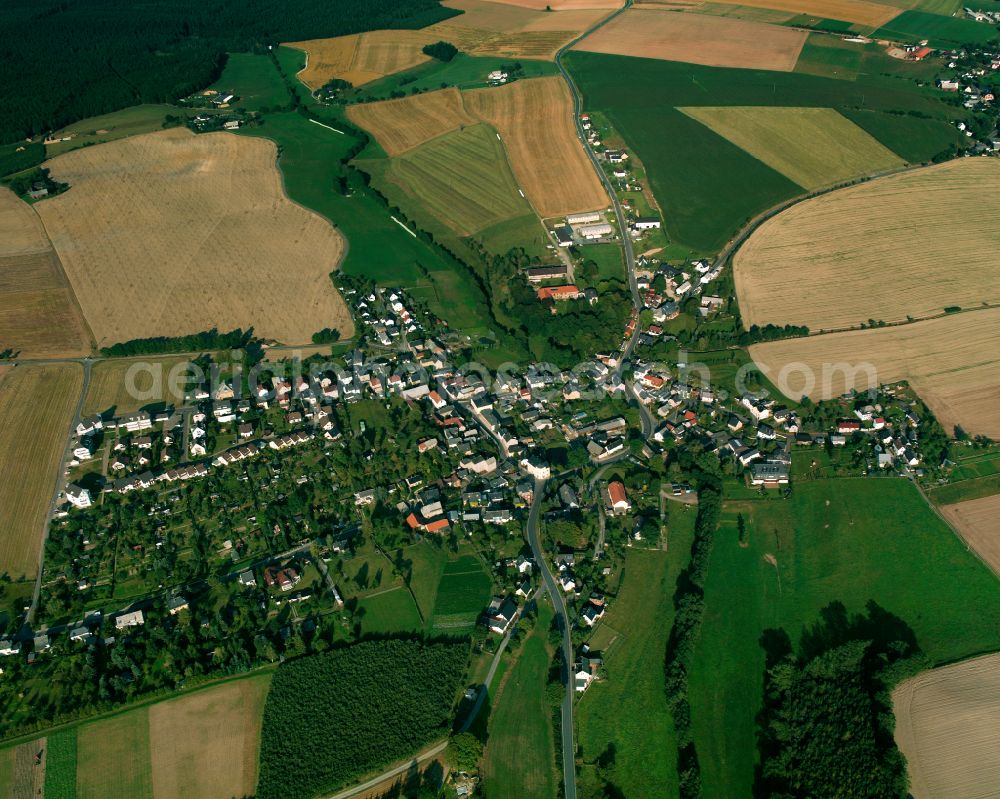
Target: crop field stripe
x=61 y=765
x=114 y=757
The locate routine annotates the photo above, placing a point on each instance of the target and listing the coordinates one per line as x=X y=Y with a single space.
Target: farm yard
x=39 y=316
x=846 y=540
x=36 y=410
x=813 y=147
x=976 y=522
x=400 y=125
x=552 y=169
x=697 y=39
x=210 y=206
x=461 y=178
x=946 y=723
x=935 y=229
x=952 y=362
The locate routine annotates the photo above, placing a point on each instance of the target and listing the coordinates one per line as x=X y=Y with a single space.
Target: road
x=619 y=213
x=550 y=584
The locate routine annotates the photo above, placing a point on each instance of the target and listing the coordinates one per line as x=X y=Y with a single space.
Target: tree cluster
x=206 y=340
x=442 y=51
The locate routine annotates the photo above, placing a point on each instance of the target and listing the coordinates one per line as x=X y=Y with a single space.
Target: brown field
x=39 y=316
x=952 y=362
x=861 y=12
x=697 y=39
x=20 y=778
x=362 y=57
x=36 y=410
x=903 y=245
x=563 y=5
x=128 y=384
x=552 y=168
x=400 y=125
x=170 y=233
x=205 y=745
x=113 y=757
x=976 y=522
x=947 y=726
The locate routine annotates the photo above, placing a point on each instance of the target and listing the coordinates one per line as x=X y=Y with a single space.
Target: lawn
x=427 y=561
x=114 y=757
x=707 y=186
x=940 y=31
x=829 y=57
x=626 y=713
x=519 y=759
x=525 y=232
x=380 y=248
x=914 y=139
x=255 y=81
x=390 y=611
x=462 y=595
x=847 y=540
x=60 y=765
x=608 y=258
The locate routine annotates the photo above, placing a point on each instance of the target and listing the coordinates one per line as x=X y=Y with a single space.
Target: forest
x=349 y=711
x=65 y=60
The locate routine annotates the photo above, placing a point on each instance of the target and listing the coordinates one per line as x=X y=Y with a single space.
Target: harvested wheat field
x=860 y=12
x=128 y=384
x=813 y=147
x=978 y=522
x=697 y=39
x=952 y=362
x=362 y=57
x=947 y=726
x=205 y=745
x=563 y=5
x=903 y=245
x=39 y=316
x=400 y=125
x=535 y=120
x=36 y=412
x=170 y=233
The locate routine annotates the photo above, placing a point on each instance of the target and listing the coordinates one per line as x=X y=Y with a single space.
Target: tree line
x=65 y=60
x=332 y=717
x=158 y=345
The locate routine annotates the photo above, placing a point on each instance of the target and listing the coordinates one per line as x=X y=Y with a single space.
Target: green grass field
x=914 y=139
x=463 y=593
x=379 y=248
x=708 y=188
x=127 y=122
x=829 y=57
x=113 y=758
x=608 y=258
x=847 y=540
x=427 y=565
x=519 y=759
x=462 y=178
x=254 y=80
x=627 y=712
x=524 y=231
x=940 y=31
x=389 y=611
x=812 y=147
x=60 y=765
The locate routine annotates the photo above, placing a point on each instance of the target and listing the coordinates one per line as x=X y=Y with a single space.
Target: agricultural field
x=976 y=522
x=519 y=759
x=627 y=712
x=113 y=757
x=211 y=206
x=20 y=776
x=940 y=31
x=861 y=12
x=132 y=121
x=254 y=79
x=380 y=249
x=846 y=540
x=697 y=39
x=913 y=224
x=462 y=179
x=126 y=385
x=391 y=610
x=206 y=744
x=553 y=169
x=362 y=57
x=400 y=125
x=463 y=592
x=39 y=315
x=60 y=765
x=946 y=724
x=951 y=362
x=706 y=186
x=973 y=477
x=829 y=57
x=36 y=410
x=813 y=147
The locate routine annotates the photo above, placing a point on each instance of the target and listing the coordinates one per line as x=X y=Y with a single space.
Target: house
x=592 y=614
x=646 y=223
x=501 y=615
x=616 y=497
x=286 y=579
x=247 y=580
x=558 y=293
x=366 y=497
x=78 y=496
x=9 y=647
x=769 y=474
x=176 y=604
x=125 y=620
x=536 y=274
x=948 y=85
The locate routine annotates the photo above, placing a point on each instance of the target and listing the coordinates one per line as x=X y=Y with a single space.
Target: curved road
x=550 y=584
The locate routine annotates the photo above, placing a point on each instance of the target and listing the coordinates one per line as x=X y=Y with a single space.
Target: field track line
x=397 y=221
x=327 y=127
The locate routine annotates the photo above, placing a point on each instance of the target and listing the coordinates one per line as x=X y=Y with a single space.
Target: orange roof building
x=567 y=292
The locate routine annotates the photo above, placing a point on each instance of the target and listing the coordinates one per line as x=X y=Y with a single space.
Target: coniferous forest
x=65 y=60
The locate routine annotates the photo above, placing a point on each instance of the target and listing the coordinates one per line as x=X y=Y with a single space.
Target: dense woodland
x=349 y=711
x=65 y=60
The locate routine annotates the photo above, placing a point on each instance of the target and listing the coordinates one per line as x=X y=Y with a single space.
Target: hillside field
x=36 y=410
x=946 y=723
x=39 y=315
x=846 y=540
x=952 y=362
x=698 y=39
x=400 y=125
x=935 y=230
x=976 y=522
x=812 y=147
x=211 y=239
x=861 y=12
